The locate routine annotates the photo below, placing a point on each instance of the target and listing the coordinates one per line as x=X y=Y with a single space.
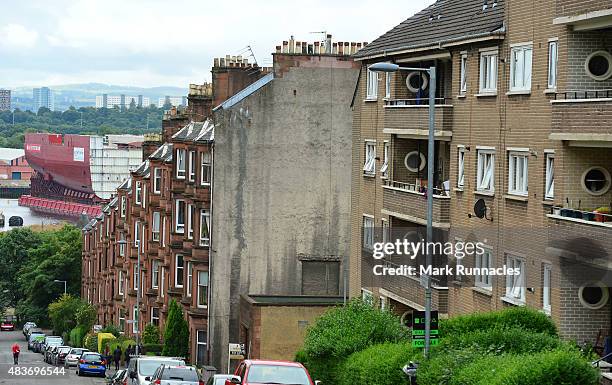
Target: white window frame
x=385 y=230
x=189 y=287
x=155 y=226
x=135 y=277
x=180 y=163
x=157 y=180
x=488 y=71
x=121 y=244
x=163 y=234
x=200 y=343
x=205 y=168
x=384 y=169
x=484 y=261
x=368 y=232
x=371 y=85
x=367 y=296
x=144 y=195
x=135 y=319
x=553 y=59
x=153 y=318
x=154 y=274
x=485 y=175
x=515 y=284
x=190 y=212
x=199 y=299
x=518 y=173
x=549 y=181
x=204 y=221
x=179 y=227
x=388 y=77
x=192 y=166
x=123 y=206
x=121 y=319
x=138 y=192
x=136 y=233
x=120 y=282
x=521 y=59
x=463 y=73
x=546 y=285
x=178 y=267
x=460 y=167
x=162 y=281
x=369 y=166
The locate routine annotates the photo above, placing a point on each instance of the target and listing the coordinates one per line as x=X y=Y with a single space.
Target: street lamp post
x=64 y=282
x=391 y=67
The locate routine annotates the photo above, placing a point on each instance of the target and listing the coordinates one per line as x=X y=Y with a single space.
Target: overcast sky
x=168 y=43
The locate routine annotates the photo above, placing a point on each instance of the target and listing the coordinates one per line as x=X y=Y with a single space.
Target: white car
x=72 y=359
x=141 y=368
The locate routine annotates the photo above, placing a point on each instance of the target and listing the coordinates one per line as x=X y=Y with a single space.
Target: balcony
x=582 y=117
x=408 y=201
x=410 y=118
x=583 y=15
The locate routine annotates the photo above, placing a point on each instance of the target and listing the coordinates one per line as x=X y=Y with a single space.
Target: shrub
x=114 y=330
x=176 y=335
x=62 y=313
x=378 y=365
x=86 y=316
x=90 y=341
x=126 y=343
x=517 y=317
x=150 y=334
x=442 y=365
x=153 y=348
x=76 y=336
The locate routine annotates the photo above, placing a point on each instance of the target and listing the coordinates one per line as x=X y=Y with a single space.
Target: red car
x=260 y=372
x=6 y=325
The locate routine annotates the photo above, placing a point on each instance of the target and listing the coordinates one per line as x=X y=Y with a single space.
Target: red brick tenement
x=522 y=123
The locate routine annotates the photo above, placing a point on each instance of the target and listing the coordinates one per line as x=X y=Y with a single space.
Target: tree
x=62 y=313
x=86 y=316
x=176 y=334
x=150 y=335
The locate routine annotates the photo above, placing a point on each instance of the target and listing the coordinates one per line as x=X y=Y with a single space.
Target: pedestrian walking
x=16 y=350
x=128 y=351
x=117 y=356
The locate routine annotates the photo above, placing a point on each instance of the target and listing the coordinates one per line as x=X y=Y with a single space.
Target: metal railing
x=583 y=94
x=413 y=187
x=414 y=102
x=585 y=215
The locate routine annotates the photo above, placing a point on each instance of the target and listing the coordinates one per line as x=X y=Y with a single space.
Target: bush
x=345 y=330
x=114 y=330
x=91 y=342
x=378 y=365
x=62 y=313
x=86 y=316
x=76 y=336
x=176 y=335
x=150 y=334
x=516 y=317
x=126 y=343
x=153 y=348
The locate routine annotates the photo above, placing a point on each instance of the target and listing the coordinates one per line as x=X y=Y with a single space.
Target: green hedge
x=516 y=317
x=90 y=341
x=153 y=348
x=76 y=336
x=378 y=365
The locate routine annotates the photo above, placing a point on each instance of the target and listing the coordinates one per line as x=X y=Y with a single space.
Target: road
x=28 y=359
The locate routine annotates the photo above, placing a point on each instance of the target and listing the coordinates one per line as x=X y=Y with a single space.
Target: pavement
x=32 y=370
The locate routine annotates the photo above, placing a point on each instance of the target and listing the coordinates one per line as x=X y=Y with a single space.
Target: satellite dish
x=480 y=209
x=416 y=80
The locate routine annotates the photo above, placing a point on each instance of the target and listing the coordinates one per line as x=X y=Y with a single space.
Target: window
x=320 y=278
x=367 y=297
x=190 y=212
x=189 y=279
x=596 y=180
x=517 y=173
x=179 y=265
x=515 y=284
x=388 y=85
x=135 y=319
x=157 y=180
x=460 y=167
x=163 y=234
x=205 y=168
x=155 y=226
x=180 y=163
x=552 y=64
x=598 y=65
x=520 y=68
x=204 y=227
x=486 y=171
x=135 y=277
x=549 y=192
x=202 y=288
x=192 y=166
x=122 y=244
x=463 y=86
x=385 y=231
x=384 y=169
x=144 y=195
x=372 y=85
x=201 y=347
x=484 y=261
x=136 y=233
x=488 y=71
x=162 y=281
x=369 y=166
x=123 y=206
x=121 y=320
x=382 y=303
x=179 y=215
x=155 y=316
x=368 y=232
x=138 y=192
x=547 y=278
x=155 y=274
x=120 y=283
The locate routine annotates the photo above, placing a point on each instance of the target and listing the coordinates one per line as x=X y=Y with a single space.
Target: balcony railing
x=415 y=102
x=584 y=116
x=583 y=94
x=408 y=201
x=411 y=117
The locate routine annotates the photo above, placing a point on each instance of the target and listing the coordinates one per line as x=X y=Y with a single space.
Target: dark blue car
x=91 y=363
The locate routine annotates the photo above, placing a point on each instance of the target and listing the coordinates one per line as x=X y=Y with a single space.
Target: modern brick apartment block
x=281 y=191
x=523 y=122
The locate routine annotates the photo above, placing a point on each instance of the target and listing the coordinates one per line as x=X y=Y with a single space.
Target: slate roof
x=245 y=92
x=143 y=169
x=163 y=153
x=443 y=22
x=126 y=184
x=207 y=133
x=192 y=131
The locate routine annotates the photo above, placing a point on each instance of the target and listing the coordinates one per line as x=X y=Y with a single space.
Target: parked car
x=91 y=363
x=33 y=330
x=37 y=345
x=33 y=338
x=176 y=375
x=7 y=326
x=50 y=349
x=118 y=378
x=251 y=372
x=51 y=340
x=26 y=326
x=73 y=357
x=141 y=368
x=218 y=379
x=59 y=356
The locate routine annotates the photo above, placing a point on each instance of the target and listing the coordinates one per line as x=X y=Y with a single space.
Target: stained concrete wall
x=281 y=187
